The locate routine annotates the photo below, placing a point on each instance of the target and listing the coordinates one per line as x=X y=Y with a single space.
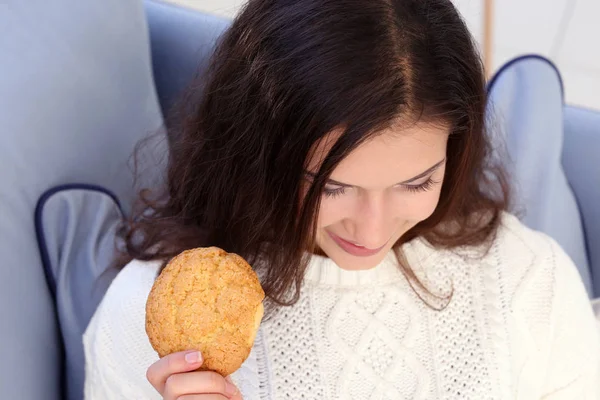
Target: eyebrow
x=408 y=181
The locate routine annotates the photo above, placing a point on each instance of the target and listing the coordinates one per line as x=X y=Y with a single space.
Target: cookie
x=209 y=300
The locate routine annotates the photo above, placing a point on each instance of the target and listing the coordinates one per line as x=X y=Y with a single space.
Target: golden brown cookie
x=209 y=300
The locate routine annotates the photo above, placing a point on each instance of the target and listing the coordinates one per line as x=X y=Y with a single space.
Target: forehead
x=392 y=156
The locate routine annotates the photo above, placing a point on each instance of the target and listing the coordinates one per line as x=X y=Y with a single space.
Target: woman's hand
x=175 y=378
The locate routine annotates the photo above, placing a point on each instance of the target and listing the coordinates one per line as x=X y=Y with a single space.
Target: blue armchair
x=82 y=82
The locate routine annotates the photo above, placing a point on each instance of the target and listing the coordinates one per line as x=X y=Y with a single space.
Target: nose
x=371 y=225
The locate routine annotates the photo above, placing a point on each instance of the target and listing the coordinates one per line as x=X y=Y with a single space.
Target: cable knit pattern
x=518 y=326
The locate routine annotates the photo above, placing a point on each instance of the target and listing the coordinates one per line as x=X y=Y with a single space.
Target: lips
x=353 y=249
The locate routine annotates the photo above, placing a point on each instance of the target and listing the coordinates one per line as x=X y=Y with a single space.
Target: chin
x=353 y=263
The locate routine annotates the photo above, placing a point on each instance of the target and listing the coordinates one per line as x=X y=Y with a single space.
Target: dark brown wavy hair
x=285 y=74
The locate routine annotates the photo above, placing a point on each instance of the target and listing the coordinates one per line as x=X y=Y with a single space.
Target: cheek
x=421 y=206
x=333 y=210
x=407 y=207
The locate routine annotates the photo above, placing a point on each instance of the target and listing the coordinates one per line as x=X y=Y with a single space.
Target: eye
x=422 y=187
x=333 y=193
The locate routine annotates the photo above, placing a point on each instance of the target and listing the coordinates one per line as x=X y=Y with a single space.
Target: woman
x=339 y=146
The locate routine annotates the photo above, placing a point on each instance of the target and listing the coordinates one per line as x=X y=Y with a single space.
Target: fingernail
x=230 y=388
x=193 y=357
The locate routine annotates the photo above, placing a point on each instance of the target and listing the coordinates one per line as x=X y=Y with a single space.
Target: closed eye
x=333 y=193
x=422 y=187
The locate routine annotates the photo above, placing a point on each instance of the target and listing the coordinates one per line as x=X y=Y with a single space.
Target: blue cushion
x=182 y=41
x=526 y=105
x=76 y=227
x=582 y=165
x=76 y=95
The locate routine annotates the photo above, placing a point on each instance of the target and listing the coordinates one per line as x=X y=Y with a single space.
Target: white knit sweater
x=519 y=326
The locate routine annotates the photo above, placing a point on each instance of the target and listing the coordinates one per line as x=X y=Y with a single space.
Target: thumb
x=238 y=394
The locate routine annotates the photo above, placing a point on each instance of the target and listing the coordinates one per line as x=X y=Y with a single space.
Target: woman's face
x=377 y=193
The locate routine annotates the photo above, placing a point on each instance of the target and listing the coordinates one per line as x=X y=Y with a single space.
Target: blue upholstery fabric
x=182 y=41
x=526 y=102
x=581 y=161
x=76 y=95
x=76 y=228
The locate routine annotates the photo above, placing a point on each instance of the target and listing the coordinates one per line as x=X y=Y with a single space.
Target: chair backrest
x=76 y=94
x=526 y=102
x=182 y=42
x=581 y=161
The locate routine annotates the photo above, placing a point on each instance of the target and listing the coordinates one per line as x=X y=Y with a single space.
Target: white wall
x=226 y=8
x=566 y=31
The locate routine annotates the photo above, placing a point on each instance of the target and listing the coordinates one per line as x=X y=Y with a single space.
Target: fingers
x=175 y=376
x=198 y=382
x=175 y=363
x=237 y=395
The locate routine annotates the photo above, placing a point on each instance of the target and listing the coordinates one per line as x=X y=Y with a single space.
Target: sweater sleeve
x=574 y=365
x=117 y=349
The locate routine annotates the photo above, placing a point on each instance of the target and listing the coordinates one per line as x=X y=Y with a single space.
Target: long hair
x=284 y=75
